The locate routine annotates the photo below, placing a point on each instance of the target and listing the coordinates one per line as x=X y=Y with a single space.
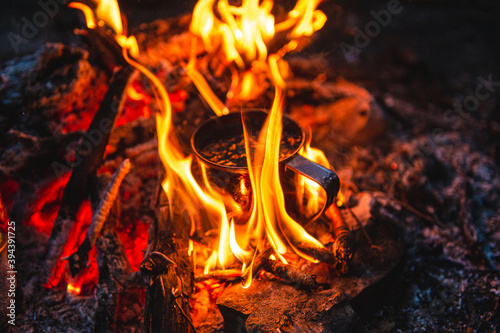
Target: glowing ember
x=45 y=209
x=77 y=235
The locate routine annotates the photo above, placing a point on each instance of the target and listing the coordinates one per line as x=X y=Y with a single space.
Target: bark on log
x=113 y=265
x=170 y=286
x=114 y=271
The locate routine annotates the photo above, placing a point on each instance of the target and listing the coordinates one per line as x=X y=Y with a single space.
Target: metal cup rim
x=240 y=169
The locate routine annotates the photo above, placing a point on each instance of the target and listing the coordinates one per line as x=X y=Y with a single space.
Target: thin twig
x=362 y=227
x=421 y=215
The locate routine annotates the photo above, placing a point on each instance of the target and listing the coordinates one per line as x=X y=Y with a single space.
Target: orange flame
x=74 y=288
x=241 y=33
x=108 y=13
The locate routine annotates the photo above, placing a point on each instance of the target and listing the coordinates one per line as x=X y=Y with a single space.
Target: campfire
x=191 y=179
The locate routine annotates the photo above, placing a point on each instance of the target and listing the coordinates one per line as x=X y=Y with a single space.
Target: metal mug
x=227 y=179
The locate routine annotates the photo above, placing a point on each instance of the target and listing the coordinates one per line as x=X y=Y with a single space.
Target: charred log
x=77 y=188
x=78 y=260
x=170 y=281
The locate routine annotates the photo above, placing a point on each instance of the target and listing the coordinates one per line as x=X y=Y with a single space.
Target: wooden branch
x=103 y=47
x=286 y=272
x=321 y=254
x=78 y=260
x=114 y=268
x=77 y=187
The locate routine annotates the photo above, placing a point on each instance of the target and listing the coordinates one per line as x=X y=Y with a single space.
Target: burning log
x=104 y=47
x=286 y=272
x=171 y=280
x=78 y=185
x=114 y=268
x=78 y=260
x=259 y=262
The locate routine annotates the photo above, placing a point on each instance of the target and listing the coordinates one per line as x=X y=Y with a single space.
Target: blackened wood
x=77 y=187
x=114 y=272
x=78 y=260
x=170 y=286
x=103 y=47
x=113 y=266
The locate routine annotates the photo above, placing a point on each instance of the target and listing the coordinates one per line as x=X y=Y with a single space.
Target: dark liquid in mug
x=230 y=150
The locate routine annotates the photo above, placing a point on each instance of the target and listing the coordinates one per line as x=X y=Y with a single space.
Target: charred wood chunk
x=114 y=271
x=168 y=272
x=272 y=307
x=77 y=187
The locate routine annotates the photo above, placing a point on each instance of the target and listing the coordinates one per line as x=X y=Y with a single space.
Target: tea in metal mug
x=227 y=177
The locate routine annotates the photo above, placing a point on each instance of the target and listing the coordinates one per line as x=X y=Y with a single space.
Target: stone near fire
x=270 y=306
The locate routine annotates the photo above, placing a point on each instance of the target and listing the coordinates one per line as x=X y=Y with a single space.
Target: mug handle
x=324 y=177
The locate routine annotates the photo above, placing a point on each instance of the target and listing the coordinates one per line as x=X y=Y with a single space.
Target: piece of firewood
x=114 y=273
x=76 y=189
x=169 y=272
x=303 y=280
x=258 y=263
x=343 y=246
x=104 y=48
x=78 y=260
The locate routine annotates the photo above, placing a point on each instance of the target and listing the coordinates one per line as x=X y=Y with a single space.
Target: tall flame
x=242 y=33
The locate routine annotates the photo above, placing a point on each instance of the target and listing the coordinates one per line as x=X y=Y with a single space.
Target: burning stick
x=343 y=245
x=287 y=272
x=229 y=275
x=77 y=187
x=100 y=39
x=78 y=260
